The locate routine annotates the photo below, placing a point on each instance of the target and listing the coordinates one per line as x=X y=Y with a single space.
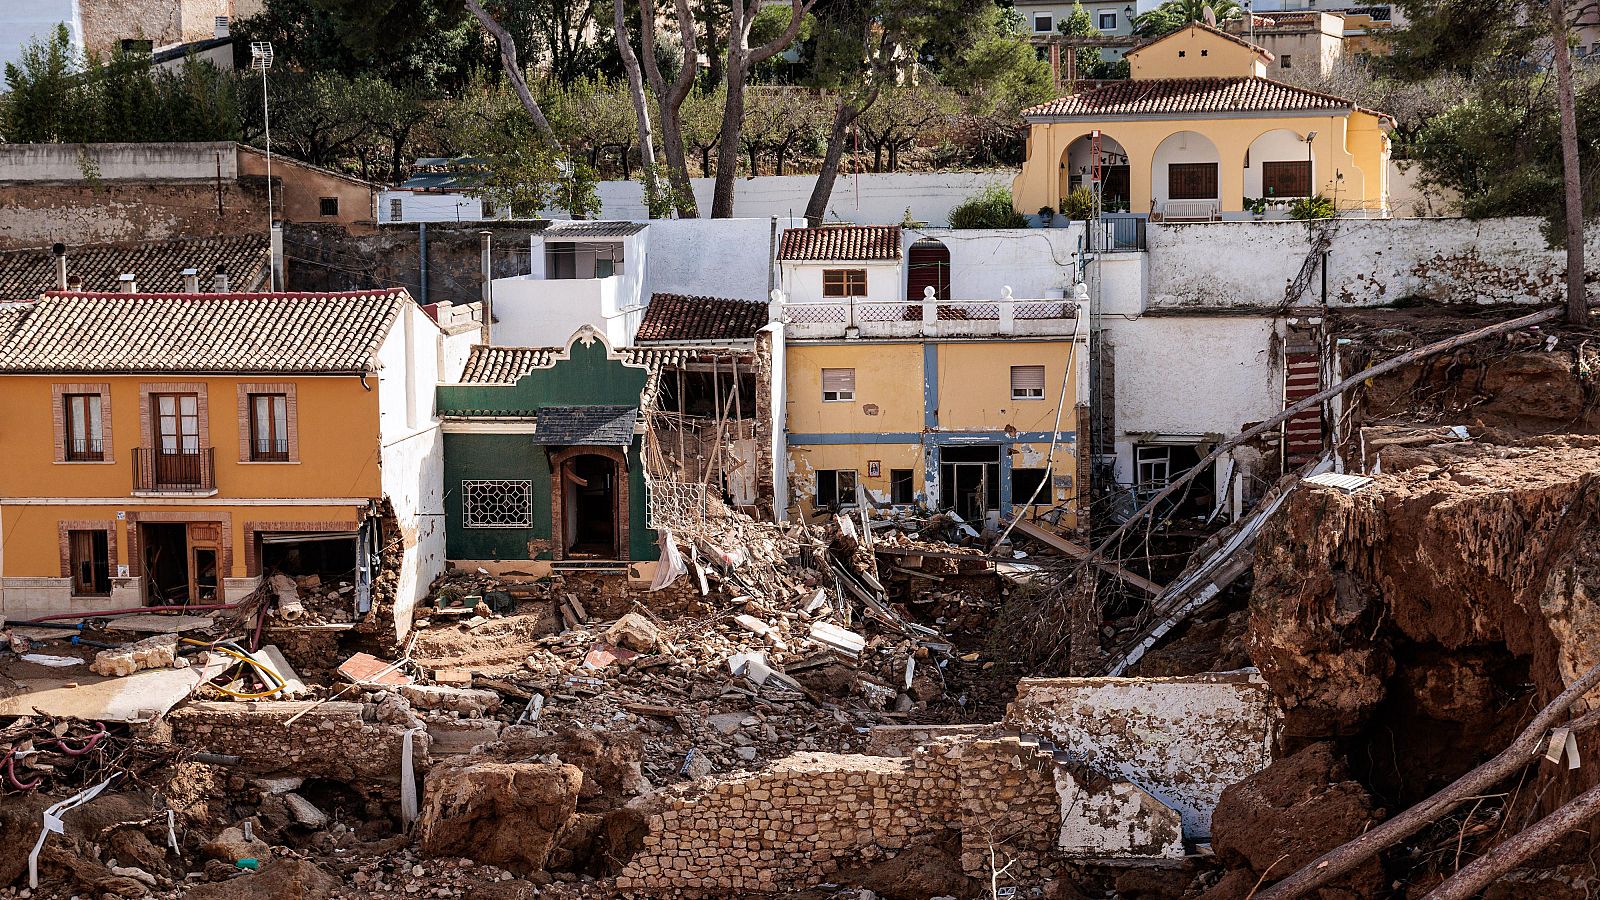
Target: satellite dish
x=1210 y=16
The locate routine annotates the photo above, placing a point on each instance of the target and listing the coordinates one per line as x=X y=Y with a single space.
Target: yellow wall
x=807 y=459
x=975 y=386
x=32 y=535
x=1352 y=145
x=337 y=434
x=1222 y=57
x=888 y=388
x=338 y=439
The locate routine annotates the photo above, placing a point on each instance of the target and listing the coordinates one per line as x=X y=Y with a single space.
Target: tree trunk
x=508 y=55
x=670 y=98
x=641 y=111
x=822 y=189
x=728 y=136
x=1577 y=300
x=754 y=151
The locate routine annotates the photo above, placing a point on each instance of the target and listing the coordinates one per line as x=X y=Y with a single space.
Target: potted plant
x=1257 y=207
x=1046 y=215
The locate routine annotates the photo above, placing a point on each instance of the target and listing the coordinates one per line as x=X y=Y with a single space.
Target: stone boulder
x=281 y=879
x=633 y=632
x=507 y=814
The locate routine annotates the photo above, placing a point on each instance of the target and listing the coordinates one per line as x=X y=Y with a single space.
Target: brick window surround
x=58 y=419
x=291 y=424
x=147 y=426
x=219 y=517
x=253 y=531
x=66 y=526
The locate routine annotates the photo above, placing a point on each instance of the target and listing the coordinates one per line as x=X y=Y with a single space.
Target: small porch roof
x=571 y=426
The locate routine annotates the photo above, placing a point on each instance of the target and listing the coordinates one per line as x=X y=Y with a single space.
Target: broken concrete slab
x=304 y=811
x=151 y=653
x=453 y=737
x=152 y=623
x=840 y=639
x=1111 y=818
x=140 y=697
x=273 y=658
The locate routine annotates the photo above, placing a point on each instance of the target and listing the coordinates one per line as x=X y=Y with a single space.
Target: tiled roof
x=201 y=333
x=680 y=317
x=582 y=231
x=1173 y=96
x=567 y=426
x=841 y=242
x=159 y=265
x=505 y=365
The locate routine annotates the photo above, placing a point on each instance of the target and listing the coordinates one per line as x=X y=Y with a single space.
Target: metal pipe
x=486 y=273
x=60 y=251
x=422 y=262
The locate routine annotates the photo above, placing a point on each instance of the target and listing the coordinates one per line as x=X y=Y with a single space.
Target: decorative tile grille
x=675 y=505
x=496 y=504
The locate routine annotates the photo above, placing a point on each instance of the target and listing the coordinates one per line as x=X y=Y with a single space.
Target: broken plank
x=652 y=709
x=1075 y=551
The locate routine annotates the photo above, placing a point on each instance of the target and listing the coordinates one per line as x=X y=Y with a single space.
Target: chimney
x=222 y=26
x=219 y=281
x=128 y=283
x=191 y=281
x=276 y=283
x=74 y=282
x=60 y=250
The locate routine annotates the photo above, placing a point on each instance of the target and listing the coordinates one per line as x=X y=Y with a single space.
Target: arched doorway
x=1279 y=166
x=1079 y=170
x=928 y=266
x=1185 y=173
x=591 y=505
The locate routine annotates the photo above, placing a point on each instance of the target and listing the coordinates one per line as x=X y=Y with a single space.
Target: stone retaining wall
x=339 y=740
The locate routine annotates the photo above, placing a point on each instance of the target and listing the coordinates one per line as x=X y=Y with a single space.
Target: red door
x=929 y=267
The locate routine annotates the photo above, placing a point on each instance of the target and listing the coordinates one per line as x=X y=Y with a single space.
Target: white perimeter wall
x=867 y=199
x=712 y=257
x=1032 y=261
x=1372 y=262
x=116 y=162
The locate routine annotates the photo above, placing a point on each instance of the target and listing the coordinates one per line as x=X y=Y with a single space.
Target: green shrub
x=1318 y=207
x=1078 y=205
x=989 y=208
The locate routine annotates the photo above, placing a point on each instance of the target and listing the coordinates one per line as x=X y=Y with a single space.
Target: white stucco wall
x=412 y=454
x=175 y=161
x=1181 y=739
x=802 y=282
x=1033 y=261
x=1372 y=262
x=867 y=199
x=713 y=257
x=416 y=206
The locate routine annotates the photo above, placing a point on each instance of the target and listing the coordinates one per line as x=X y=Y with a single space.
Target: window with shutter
x=838 y=385
x=1027 y=382
x=1192 y=181
x=1286 y=179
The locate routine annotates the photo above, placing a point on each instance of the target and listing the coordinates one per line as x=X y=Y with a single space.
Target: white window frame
x=1027 y=393
x=514 y=492
x=397 y=209
x=1152 y=470
x=839 y=395
x=1049 y=23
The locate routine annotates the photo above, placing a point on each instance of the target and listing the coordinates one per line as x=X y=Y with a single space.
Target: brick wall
x=340 y=740
x=84 y=212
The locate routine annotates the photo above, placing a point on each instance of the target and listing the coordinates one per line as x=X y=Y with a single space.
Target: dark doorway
x=589 y=506
x=969 y=480
x=928 y=266
x=1114 y=188
x=330 y=557
x=1156 y=465
x=166 y=562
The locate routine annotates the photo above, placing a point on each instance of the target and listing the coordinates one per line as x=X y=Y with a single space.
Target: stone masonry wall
x=339 y=740
x=85 y=212
x=1009 y=806
x=795 y=823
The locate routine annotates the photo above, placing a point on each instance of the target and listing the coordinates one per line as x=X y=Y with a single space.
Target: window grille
x=496 y=504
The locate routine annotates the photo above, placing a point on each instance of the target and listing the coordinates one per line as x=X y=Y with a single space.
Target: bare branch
x=508 y=54
x=797 y=16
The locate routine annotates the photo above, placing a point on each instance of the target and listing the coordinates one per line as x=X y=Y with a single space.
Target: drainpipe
x=486 y=273
x=191 y=281
x=60 y=250
x=772 y=254
x=422 y=262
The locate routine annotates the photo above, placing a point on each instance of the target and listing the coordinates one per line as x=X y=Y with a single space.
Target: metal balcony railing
x=155 y=470
x=263 y=450
x=1116 y=233
x=85 y=450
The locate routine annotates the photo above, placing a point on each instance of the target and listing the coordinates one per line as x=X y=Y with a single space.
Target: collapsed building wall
x=337 y=739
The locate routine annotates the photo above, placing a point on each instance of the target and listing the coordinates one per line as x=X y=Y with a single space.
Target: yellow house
x=167 y=449
x=948 y=404
x=1197 y=129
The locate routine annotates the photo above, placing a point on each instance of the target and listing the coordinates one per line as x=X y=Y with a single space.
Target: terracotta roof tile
x=841 y=242
x=159 y=265
x=1168 y=96
x=200 y=333
x=577 y=230
x=505 y=365
x=681 y=317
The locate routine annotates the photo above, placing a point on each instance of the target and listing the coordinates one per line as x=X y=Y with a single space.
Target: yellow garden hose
x=268 y=675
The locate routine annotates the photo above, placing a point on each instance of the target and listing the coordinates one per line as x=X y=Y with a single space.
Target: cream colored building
x=1199 y=127
x=1301 y=42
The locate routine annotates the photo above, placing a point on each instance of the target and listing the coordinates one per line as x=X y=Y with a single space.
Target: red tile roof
x=680 y=317
x=840 y=242
x=201 y=333
x=1176 y=96
x=158 y=265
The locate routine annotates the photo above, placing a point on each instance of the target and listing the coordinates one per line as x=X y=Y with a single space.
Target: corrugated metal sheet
x=1343 y=481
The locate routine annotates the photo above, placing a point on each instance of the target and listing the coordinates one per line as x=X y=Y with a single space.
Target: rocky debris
x=281 y=879
x=633 y=632
x=1291 y=812
x=468 y=701
x=509 y=814
x=156 y=652
x=232 y=845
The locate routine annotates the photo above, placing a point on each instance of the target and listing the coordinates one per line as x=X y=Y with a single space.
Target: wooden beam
x=1082 y=553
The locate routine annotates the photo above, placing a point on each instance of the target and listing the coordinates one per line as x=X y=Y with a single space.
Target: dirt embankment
x=1413 y=627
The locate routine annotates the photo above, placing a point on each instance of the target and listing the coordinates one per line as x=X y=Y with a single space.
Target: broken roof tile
x=682 y=317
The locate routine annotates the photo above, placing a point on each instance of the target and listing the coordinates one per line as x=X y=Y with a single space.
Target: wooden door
x=928 y=266
x=205 y=562
x=177 y=438
x=1192 y=181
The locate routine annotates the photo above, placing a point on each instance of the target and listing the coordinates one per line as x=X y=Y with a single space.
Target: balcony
x=858 y=317
x=157 y=471
x=85 y=450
